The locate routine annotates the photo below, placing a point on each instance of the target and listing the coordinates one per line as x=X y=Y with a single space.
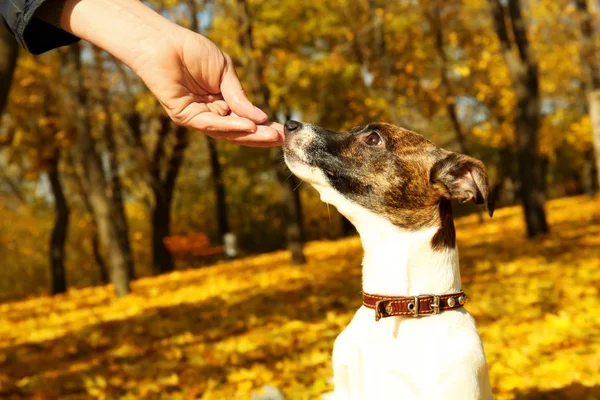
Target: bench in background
x=195 y=245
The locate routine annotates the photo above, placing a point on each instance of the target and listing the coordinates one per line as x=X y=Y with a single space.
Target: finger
x=262 y=145
x=277 y=126
x=234 y=95
x=207 y=98
x=263 y=137
x=262 y=134
x=211 y=122
x=219 y=107
x=271 y=124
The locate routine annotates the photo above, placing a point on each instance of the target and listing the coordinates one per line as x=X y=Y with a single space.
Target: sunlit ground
x=225 y=331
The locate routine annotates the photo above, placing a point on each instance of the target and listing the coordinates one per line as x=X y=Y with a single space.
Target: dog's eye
x=373 y=139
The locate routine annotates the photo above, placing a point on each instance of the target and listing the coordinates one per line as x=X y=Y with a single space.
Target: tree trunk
x=223 y=226
x=116 y=187
x=219 y=189
x=261 y=94
x=381 y=55
x=290 y=199
x=590 y=64
x=504 y=179
x=523 y=70
x=162 y=260
x=449 y=97
x=116 y=194
x=163 y=190
x=292 y=206
x=96 y=251
x=100 y=202
x=60 y=229
x=9 y=50
x=163 y=211
x=295 y=233
x=225 y=236
x=104 y=278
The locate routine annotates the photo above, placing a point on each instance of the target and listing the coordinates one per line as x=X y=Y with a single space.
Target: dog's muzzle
x=415 y=306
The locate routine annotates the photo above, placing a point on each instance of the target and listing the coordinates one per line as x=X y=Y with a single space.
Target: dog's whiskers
x=301 y=182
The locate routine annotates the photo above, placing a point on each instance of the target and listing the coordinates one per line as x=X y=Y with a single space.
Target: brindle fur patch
x=393 y=180
x=445 y=237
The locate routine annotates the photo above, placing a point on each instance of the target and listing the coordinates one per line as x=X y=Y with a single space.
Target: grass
x=225 y=331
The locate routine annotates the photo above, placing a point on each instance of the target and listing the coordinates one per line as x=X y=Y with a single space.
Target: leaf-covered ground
x=225 y=331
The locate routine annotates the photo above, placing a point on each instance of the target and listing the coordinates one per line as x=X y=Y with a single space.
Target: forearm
x=127 y=29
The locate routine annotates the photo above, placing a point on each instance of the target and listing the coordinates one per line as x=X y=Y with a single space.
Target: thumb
x=236 y=98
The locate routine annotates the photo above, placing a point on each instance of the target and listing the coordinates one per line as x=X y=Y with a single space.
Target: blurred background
x=85 y=150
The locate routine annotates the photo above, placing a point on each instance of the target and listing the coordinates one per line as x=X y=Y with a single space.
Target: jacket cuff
x=50 y=11
x=34 y=34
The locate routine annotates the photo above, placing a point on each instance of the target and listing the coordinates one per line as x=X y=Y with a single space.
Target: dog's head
x=387 y=170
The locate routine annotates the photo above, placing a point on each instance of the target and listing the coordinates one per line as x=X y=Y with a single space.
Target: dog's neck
x=399 y=262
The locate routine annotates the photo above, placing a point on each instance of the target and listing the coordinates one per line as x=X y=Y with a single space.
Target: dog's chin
x=303 y=169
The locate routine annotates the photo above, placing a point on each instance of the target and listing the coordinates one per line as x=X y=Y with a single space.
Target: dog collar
x=416 y=306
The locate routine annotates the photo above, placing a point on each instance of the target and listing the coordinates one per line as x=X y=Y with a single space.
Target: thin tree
x=162 y=183
x=523 y=69
x=115 y=184
x=8 y=61
x=289 y=194
x=216 y=169
x=163 y=188
x=434 y=16
x=82 y=191
x=61 y=224
x=102 y=206
x=589 y=60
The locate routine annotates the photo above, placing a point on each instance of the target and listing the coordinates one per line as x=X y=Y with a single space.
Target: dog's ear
x=462 y=178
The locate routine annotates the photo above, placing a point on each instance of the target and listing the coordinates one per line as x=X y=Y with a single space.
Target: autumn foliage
x=97 y=184
x=224 y=332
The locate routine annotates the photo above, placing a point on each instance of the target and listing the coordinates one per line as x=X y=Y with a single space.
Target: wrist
x=127 y=29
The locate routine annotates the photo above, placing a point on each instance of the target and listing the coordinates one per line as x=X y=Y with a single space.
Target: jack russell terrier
x=412 y=338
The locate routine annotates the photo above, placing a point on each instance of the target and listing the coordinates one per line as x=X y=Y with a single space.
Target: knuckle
x=178 y=118
x=228 y=58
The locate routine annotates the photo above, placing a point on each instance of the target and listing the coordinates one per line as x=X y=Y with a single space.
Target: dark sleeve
x=31 y=22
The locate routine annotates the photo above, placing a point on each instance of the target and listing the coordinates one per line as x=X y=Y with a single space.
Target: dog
x=396 y=188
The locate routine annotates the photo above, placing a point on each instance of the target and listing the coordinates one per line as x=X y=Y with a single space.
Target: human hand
x=190 y=76
x=197 y=85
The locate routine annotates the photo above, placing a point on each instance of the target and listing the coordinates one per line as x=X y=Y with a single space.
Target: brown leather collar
x=416 y=306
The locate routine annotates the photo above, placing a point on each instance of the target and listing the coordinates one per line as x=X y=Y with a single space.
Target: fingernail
x=252 y=128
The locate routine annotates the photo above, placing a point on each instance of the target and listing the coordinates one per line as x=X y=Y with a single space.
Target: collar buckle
x=434 y=303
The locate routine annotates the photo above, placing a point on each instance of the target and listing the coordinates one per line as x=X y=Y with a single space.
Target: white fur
x=438 y=357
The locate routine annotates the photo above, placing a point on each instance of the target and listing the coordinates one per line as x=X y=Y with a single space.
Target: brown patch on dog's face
x=393 y=172
x=383 y=168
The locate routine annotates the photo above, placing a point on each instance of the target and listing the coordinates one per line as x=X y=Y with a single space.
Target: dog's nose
x=291 y=126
